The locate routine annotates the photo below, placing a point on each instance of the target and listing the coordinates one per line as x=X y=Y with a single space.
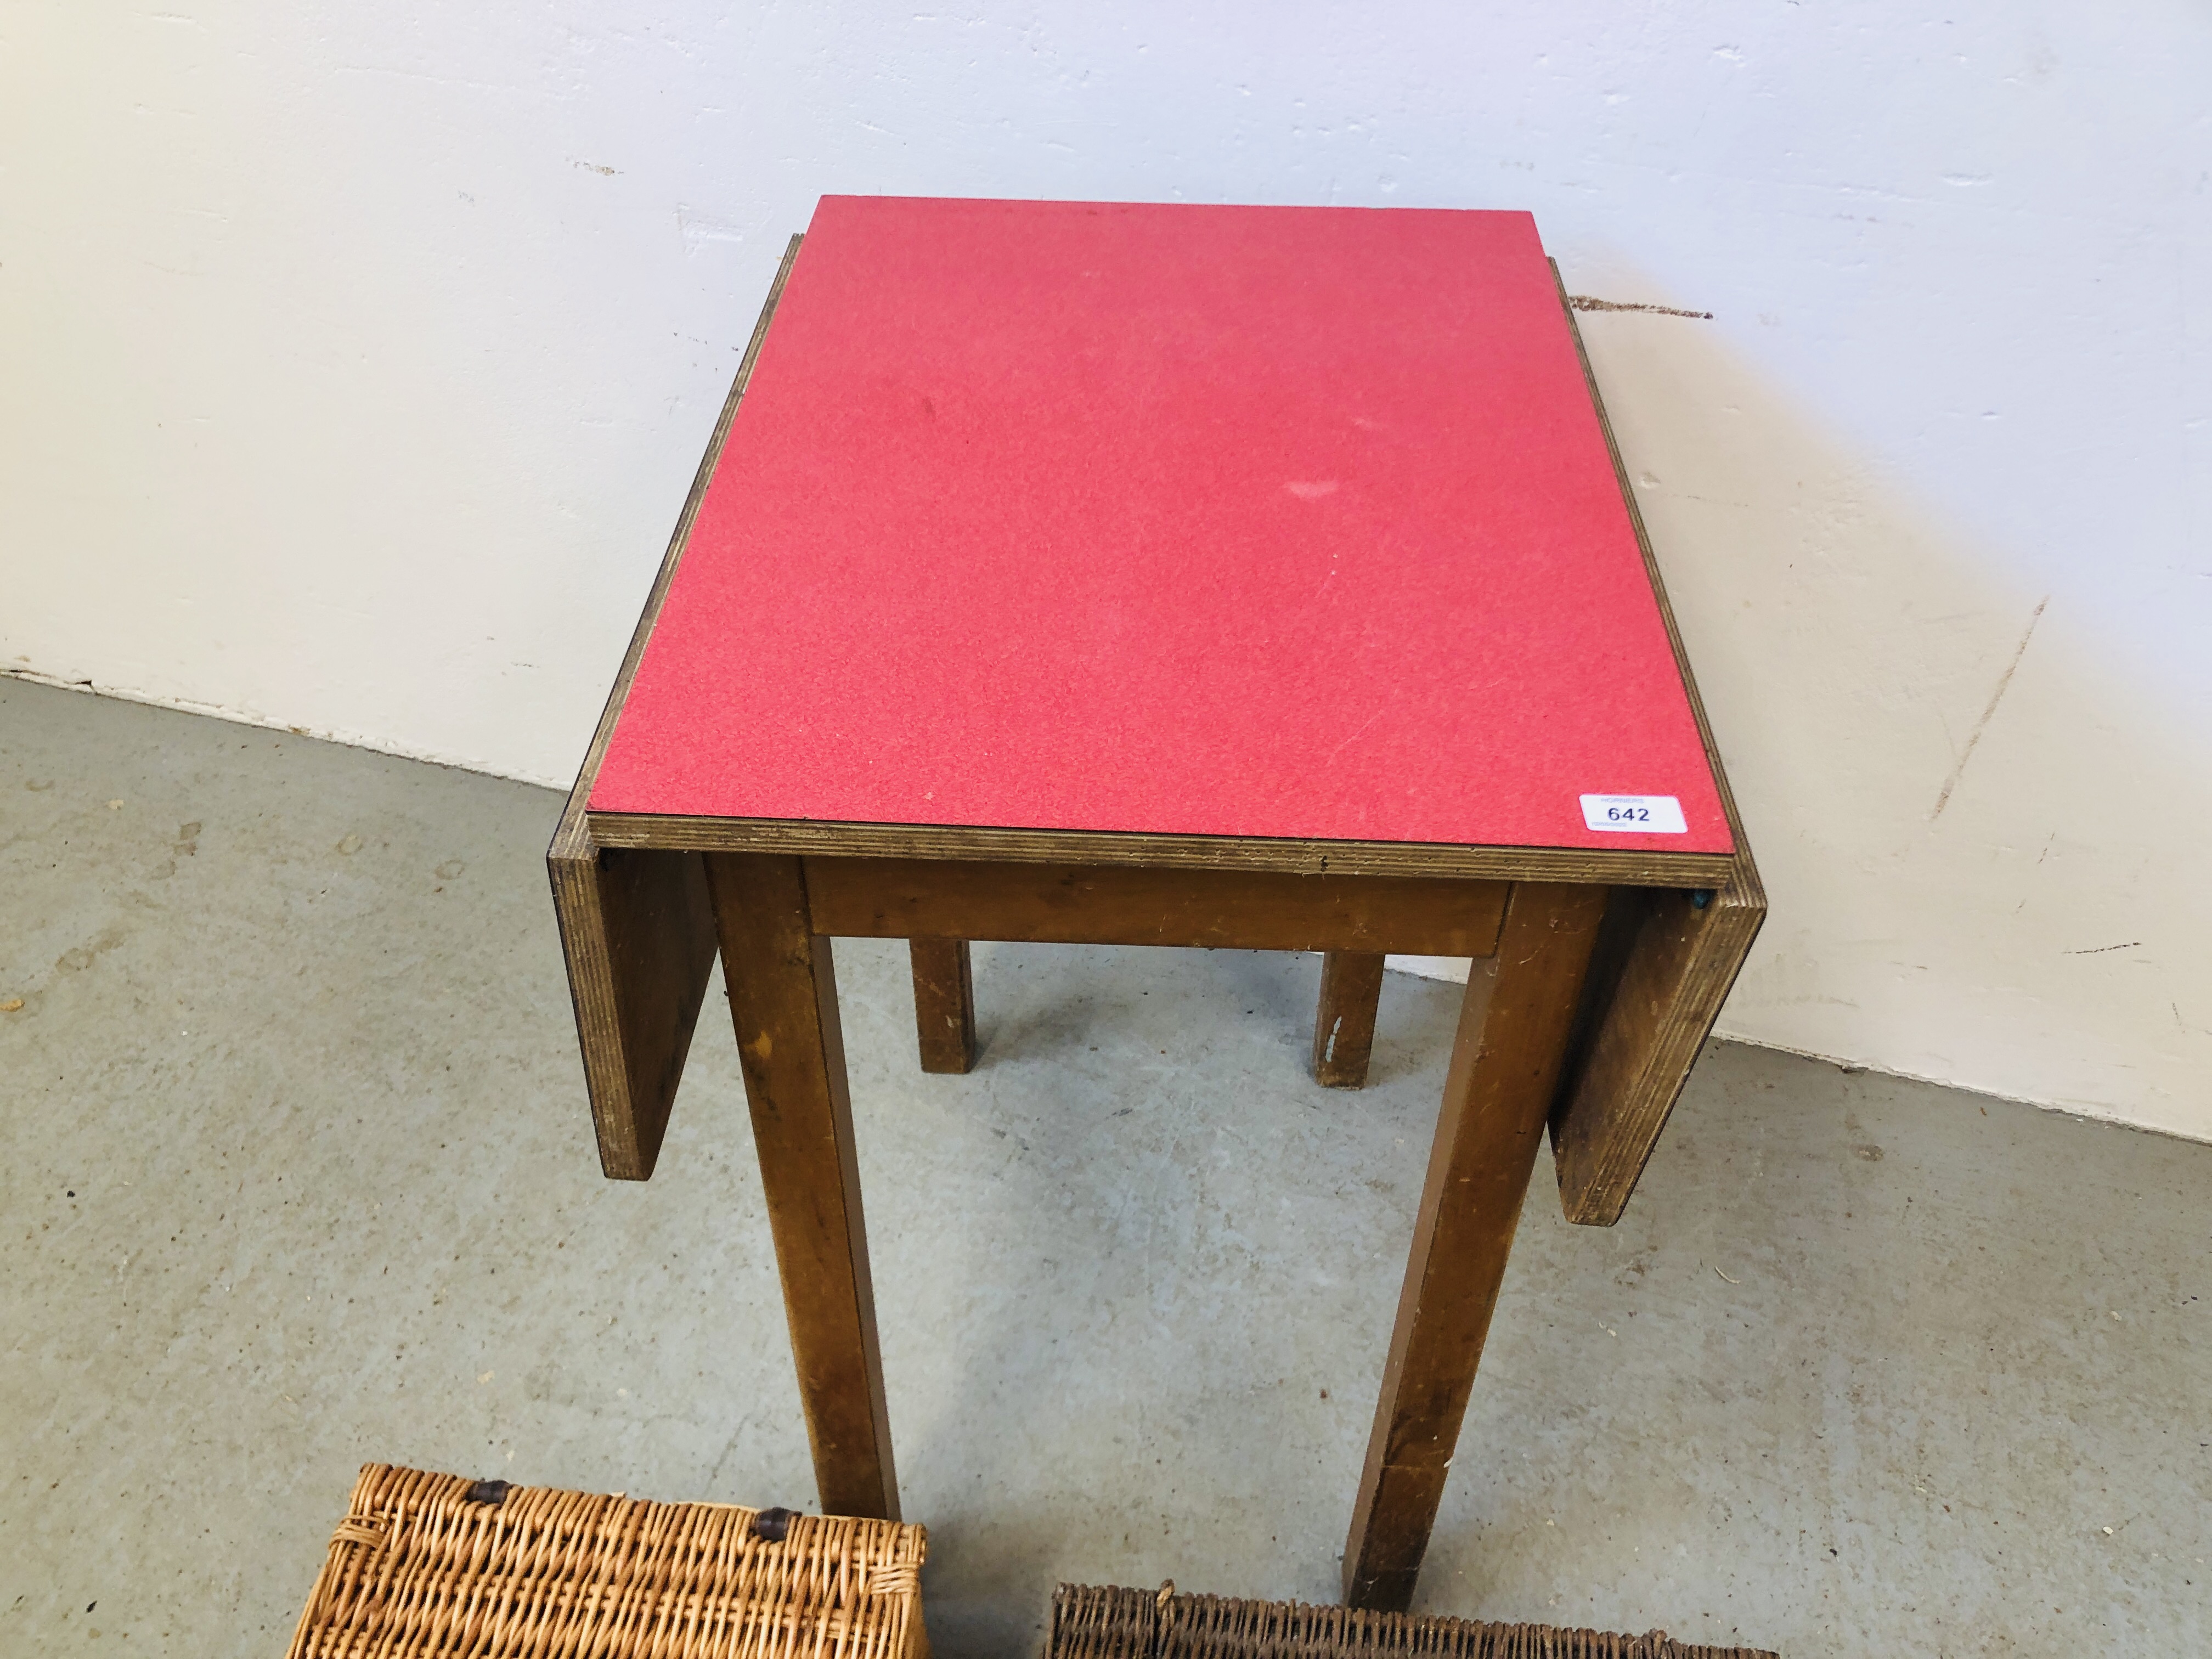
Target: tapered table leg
x=944 y=1004
x=783 y=1000
x=1505 y=1065
x=1344 y=1027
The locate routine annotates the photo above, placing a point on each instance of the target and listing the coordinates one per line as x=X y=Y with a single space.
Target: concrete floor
x=298 y=1174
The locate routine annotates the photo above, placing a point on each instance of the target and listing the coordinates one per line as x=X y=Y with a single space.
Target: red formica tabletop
x=1282 y=522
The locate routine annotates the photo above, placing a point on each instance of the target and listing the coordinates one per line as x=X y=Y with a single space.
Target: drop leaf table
x=1161 y=575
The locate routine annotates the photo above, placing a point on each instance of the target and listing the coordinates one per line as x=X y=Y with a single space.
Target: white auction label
x=1642 y=815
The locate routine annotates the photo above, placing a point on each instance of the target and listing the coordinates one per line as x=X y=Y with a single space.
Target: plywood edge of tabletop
x=1608 y=866
x=637 y=930
x=1664 y=966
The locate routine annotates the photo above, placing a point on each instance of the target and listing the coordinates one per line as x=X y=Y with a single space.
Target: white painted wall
x=354 y=361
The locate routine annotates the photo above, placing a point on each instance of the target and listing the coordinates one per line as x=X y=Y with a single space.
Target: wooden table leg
x=944 y=1004
x=783 y=1000
x=1505 y=1065
x=1344 y=1027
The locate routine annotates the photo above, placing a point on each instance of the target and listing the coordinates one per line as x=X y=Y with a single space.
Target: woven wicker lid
x=1109 y=1622
x=437 y=1563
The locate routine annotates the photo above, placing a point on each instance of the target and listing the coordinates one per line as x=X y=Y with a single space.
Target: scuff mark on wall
x=2004 y=682
x=1588 y=302
x=700 y=229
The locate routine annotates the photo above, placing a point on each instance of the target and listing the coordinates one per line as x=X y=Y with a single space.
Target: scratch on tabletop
x=1356 y=736
x=2098 y=950
x=1981 y=725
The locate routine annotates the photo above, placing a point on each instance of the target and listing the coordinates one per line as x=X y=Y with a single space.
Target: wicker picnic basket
x=436 y=1565
x=1089 y=1622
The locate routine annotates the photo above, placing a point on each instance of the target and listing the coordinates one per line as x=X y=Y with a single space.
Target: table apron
x=1113 y=904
